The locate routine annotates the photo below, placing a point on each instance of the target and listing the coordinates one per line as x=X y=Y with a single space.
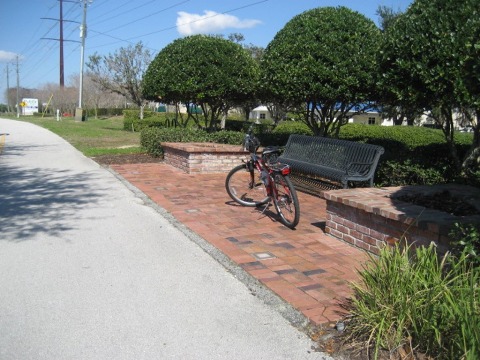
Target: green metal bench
x=331 y=160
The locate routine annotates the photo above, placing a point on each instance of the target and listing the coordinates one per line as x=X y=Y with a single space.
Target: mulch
x=126 y=159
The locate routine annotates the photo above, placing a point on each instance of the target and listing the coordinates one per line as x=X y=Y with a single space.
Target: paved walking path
x=92 y=269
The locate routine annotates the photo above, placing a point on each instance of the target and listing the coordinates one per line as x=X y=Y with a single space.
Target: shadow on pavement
x=40 y=201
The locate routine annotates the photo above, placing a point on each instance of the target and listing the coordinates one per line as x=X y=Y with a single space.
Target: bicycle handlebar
x=250 y=142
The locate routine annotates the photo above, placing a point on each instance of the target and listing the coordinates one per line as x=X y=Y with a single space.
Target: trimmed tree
x=208 y=72
x=323 y=62
x=431 y=59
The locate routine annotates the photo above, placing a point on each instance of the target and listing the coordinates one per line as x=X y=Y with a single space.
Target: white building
x=260 y=113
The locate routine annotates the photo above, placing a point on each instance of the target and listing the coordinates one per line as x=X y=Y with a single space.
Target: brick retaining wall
x=370 y=218
x=203 y=157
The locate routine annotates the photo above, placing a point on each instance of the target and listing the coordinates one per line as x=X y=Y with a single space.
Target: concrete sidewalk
x=92 y=269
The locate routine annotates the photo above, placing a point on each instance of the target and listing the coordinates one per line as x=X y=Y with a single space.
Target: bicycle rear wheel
x=286 y=201
x=246 y=187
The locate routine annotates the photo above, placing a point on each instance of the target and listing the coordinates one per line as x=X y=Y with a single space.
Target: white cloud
x=8 y=56
x=210 y=22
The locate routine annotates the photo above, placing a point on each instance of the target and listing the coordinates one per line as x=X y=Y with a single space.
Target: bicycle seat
x=270 y=154
x=271 y=150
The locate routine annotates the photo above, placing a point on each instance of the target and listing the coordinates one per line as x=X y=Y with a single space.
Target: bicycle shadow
x=262 y=210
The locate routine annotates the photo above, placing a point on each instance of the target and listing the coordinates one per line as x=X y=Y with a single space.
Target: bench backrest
x=333 y=153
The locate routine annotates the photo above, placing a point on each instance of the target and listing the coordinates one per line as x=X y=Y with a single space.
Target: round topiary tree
x=430 y=57
x=209 y=72
x=323 y=62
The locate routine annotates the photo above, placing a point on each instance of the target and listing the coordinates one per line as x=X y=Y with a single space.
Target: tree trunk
x=223 y=121
x=448 y=132
x=471 y=163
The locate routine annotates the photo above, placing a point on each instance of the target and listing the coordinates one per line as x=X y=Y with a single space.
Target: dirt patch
x=340 y=346
x=126 y=159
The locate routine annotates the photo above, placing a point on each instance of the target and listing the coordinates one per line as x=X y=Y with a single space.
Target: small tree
x=209 y=72
x=431 y=59
x=324 y=61
x=399 y=112
x=387 y=16
x=122 y=71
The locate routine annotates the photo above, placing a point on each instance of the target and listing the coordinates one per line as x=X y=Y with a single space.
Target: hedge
x=413 y=155
x=150 y=138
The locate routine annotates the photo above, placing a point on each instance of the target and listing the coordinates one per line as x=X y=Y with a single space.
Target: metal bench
x=331 y=160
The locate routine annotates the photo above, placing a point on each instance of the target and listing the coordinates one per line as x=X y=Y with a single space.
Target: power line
x=109 y=12
x=37 y=49
x=34 y=48
x=61 y=40
x=171 y=27
x=132 y=9
x=202 y=19
x=149 y=15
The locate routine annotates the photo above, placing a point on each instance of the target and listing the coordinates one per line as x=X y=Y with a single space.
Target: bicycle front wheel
x=286 y=201
x=246 y=187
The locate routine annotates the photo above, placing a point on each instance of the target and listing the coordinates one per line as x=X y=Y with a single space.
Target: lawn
x=93 y=137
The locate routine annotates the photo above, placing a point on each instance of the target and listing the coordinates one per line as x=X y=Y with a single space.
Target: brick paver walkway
x=306 y=267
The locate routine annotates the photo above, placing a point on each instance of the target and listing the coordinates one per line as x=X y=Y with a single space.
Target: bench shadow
x=321 y=225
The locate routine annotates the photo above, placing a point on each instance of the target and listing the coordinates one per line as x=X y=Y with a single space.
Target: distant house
x=260 y=113
x=367 y=118
x=426 y=120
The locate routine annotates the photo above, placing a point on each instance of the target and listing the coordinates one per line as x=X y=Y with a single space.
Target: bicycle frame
x=259 y=164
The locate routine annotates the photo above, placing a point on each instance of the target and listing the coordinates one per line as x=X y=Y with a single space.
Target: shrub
x=392 y=173
x=150 y=138
x=104 y=112
x=132 y=121
x=411 y=299
x=234 y=124
x=465 y=239
x=292 y=127
x=410 y=149
x=226 y=137
x=413 y=155
x=270 y=135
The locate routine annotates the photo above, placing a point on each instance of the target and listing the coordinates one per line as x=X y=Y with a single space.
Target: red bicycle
x=262 y=180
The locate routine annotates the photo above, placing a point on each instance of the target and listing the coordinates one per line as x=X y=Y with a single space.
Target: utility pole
x=61 y=40
x=79 y=115
x=8 y=89
x=62 y=68
x=18 y=86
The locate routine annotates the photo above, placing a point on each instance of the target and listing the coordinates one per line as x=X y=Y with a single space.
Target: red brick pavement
x=305 y=267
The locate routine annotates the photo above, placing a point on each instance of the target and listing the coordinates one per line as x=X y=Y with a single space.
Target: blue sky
x=111 y=24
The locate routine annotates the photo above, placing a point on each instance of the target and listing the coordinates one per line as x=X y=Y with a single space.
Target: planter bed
x=370 y=218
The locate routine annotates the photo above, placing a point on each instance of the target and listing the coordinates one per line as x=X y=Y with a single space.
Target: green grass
x=92 y=137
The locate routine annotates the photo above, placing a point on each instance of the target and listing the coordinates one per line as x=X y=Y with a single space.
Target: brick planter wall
x=370 y=218
x=203 y=157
